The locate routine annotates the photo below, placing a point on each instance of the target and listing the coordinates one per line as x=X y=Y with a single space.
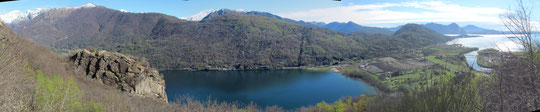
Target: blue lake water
x=289 y=89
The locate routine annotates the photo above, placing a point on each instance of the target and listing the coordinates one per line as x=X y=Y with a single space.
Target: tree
x=516 y=87
x=56 y=94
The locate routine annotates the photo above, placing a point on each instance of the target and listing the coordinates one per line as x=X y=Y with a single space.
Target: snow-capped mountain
x=199 y=16
x=88 y=5
x=16 y=16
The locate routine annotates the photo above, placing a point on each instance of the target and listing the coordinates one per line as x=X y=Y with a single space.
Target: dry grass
x=15 y=94
x=18 y=86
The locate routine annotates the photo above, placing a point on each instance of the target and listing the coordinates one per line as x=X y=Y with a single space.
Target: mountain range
x=348 y=27
x=454 y=28
x=221 y=40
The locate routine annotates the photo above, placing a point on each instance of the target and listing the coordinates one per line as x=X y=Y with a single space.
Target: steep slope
x=353 y=27
x=15 y=94
x=128 y=74
x=471 y=29
x=18 y=60
x=70 y=25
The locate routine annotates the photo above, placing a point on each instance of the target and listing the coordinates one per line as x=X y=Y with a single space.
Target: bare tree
x=519 y=91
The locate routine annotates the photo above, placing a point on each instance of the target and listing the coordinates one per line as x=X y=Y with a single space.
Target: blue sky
x=380 y=13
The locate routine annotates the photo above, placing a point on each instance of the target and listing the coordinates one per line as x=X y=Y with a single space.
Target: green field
x=450 y=61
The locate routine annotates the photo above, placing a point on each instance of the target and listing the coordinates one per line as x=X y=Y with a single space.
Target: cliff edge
x=128 y=74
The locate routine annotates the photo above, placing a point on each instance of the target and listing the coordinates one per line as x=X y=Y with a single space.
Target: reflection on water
x=286 y=88
x=500 y=42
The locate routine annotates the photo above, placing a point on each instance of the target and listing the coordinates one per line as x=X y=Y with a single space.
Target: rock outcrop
x=127 y=73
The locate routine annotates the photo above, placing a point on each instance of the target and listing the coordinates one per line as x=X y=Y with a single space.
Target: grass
x=446 y=64
x=408 y=76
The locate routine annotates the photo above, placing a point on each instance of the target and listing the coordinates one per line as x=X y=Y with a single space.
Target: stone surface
x=126 y=73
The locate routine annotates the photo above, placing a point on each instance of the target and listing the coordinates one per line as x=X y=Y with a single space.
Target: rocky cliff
x=127 y=73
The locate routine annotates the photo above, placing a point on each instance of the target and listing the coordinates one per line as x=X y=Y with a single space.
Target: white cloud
x=123 y=10
x=380 y=15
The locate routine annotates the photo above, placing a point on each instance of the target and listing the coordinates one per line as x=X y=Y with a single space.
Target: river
x=500 y=42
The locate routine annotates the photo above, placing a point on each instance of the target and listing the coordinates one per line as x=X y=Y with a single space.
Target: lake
x=289 y=89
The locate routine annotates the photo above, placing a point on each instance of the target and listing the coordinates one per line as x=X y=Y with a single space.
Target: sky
x=378 y=13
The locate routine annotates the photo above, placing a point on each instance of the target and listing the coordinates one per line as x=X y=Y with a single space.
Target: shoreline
x=359 y=79
x=323 y=68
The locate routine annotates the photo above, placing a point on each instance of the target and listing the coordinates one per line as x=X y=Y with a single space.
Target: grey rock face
x=126 y=73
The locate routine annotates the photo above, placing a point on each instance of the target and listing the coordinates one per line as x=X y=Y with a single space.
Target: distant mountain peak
x=123 y=10
x=453 y=24
x=350 y=27
x=89 y=5
x=452 y=28
x=16 y=16
x=201 y=15
x=411 y=27
x=472 y=29
x=240 y=10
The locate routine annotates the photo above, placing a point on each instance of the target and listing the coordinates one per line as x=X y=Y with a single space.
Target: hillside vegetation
x=225 y=42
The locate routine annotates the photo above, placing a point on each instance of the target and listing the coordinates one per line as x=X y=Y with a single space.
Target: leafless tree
x=516 y=88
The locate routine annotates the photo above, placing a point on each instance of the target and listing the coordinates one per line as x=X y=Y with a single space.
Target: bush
x=350 y=104
x=56 y=94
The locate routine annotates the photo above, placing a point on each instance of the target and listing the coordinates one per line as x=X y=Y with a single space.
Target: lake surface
x=289 y=89
x=500 y=42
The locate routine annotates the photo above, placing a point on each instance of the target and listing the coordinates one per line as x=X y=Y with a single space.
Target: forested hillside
x=351 y=27
x=230 y=41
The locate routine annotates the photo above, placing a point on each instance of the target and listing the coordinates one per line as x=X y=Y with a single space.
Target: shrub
x=56 y=94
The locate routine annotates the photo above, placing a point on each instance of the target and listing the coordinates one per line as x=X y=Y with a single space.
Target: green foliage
x=92 y=106
x=460 y=94
x=56 y=94
x=354 y=72
x=323 y=105
x=350 y=104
